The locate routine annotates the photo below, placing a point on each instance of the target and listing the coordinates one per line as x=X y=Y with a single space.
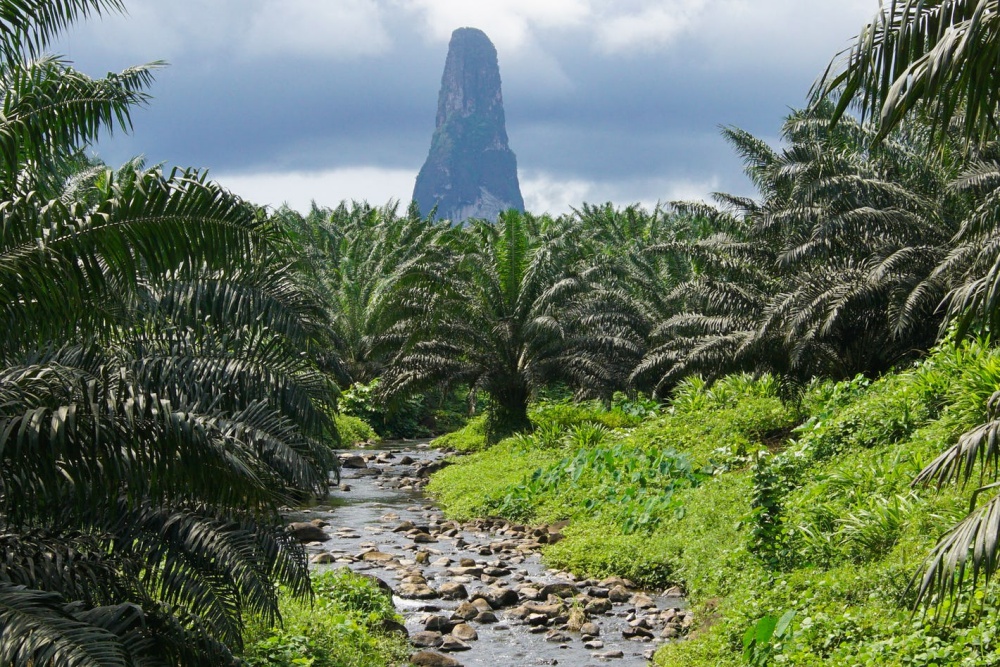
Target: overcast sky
x=606 y=100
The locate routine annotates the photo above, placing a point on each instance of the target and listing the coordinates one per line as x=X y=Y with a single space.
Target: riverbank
x=762 y=511
x=476 y=593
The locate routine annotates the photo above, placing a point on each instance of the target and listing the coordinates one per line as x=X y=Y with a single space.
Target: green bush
x=469 y=438
x=354 y=431
x=341 y=627
x=849 y=531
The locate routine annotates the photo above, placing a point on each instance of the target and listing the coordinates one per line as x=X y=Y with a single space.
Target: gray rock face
x=470 y=171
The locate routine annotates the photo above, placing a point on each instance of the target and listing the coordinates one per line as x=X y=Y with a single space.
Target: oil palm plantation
x=828 y=273
x=506 y=309
x=158 y=398
x=358 y=255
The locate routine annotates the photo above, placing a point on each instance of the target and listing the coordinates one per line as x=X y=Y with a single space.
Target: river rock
x=549 y=610
x=416 y=592
x=306 y=532
x=589 y=629
x=353 y=461
x=530 y=593
x=466 y=611
x=465 y=632
x=598 y=606
x=619 y=593
x=453 y=591
x=642 y=601
x=481 y=604
x=433 y=659
x=559 y=589
x=610 y=655
x=486 y=617
x=576 y=620
x=426 y=638
x=611 y=582
x=439 y=623
x=593 y=644
x=636 y=633
x=451 y=644
x=323 y=559
x=557 y=637
x=498 y=597
x=377 y=557
x=467 y=562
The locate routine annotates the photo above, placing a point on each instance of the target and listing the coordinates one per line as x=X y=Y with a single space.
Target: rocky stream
x=476 y=593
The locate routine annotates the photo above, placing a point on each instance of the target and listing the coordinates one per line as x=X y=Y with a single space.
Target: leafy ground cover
x=794 y=526
x=343 y=626
x=354 y=431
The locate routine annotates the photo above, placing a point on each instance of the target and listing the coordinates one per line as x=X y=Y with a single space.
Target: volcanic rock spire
x=470 y=171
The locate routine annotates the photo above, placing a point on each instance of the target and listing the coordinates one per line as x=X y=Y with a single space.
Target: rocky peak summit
x=470 y=171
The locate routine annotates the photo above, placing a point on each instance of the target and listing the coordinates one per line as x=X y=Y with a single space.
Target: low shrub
x=354 y=431
x=340 y=627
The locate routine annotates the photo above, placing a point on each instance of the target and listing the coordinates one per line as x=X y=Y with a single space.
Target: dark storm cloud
x=582 y=104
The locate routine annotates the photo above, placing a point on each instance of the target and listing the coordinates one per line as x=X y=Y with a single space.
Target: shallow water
x=364 y=517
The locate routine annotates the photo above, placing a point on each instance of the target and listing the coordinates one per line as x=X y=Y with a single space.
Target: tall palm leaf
x=937 y=57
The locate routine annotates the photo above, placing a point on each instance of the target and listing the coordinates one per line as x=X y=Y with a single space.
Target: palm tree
x=502 y=309
x=158 y=398
x=937 y=57
x=829 y=272
x=360 y=254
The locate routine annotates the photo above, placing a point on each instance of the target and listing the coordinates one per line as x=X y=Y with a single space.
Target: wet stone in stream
x=477 y=593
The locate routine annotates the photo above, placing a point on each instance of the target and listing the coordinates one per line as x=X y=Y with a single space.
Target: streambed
x=480 y=588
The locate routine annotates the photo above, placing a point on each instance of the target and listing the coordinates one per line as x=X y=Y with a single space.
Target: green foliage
x=340 y=627
x=761 y=639
x=165 y=382
x=508 y=308
x=630 y=488
x=628 y=491
x=405 y=417
x=354 y=431
x=851 y=530
x=469 y=438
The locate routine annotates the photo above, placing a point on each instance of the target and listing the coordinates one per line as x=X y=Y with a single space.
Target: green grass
x=341 y=627
x=774 y=509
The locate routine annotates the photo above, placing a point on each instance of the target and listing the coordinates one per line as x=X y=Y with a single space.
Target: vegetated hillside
x=762 y=509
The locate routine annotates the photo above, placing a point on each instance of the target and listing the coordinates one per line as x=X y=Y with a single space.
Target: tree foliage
x=163 y=384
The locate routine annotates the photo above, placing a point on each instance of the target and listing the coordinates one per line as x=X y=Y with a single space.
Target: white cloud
x=509 y=23
x=548 y=193
x=298 y=189
x=647 y=29
x=316 y=28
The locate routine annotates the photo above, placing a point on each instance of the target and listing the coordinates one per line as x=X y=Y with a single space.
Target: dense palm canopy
x=158 y=398
x=356 y=255
x=829 y=272
x=505 y=308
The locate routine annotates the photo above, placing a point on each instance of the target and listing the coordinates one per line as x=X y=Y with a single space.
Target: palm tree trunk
x=508 y=412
